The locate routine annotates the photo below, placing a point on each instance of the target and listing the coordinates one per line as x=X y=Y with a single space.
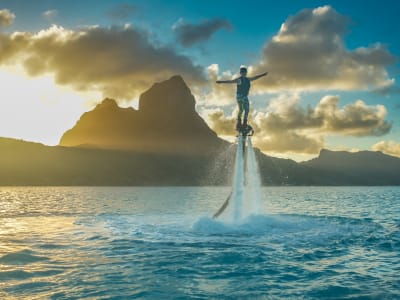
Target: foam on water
x=246 y=183
x=288 y=228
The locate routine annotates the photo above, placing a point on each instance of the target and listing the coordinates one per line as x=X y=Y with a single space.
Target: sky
x=333 y=67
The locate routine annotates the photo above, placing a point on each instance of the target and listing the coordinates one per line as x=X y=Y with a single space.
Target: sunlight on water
x=161 y=243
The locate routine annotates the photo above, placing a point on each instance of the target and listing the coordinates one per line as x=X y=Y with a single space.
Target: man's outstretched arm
x=227 y=81
x=258 y=76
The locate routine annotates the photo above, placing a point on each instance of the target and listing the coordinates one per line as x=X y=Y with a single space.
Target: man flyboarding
x=242 y=93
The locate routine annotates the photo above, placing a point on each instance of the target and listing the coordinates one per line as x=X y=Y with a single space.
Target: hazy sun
x=37 y=109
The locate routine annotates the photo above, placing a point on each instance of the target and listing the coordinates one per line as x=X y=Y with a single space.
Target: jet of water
x=253 y=180
x=245 y=197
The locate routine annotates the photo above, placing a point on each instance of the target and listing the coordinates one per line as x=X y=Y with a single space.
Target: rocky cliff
x=166 y=122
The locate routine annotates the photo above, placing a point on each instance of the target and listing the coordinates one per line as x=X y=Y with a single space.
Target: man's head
x=243 y=71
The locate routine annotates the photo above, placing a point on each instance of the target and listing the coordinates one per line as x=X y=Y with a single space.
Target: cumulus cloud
x=309 y=53
x=217 y=94
x=120 y=62
x=50 y=14
x=190 y=34
x=221 y=124
x=388 y=147
x=290 y=142
x=6 y=18
x=286 y=126
x=354 y=119
x=122 y=11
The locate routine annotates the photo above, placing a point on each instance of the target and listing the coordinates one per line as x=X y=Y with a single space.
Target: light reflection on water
x=159 y=243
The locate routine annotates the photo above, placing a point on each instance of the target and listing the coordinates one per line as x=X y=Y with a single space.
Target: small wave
x=51 y=246
x=22 y=257
x=23 y=275
x=15 y=275
x=33 y=286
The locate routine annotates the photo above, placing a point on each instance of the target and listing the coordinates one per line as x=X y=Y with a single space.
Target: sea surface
x=161 y=243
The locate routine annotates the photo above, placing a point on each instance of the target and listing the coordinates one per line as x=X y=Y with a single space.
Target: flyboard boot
x=247 y=130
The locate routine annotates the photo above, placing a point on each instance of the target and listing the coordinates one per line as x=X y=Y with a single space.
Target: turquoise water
x=160 y=243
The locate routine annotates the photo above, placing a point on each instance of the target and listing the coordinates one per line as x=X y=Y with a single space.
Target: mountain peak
x=107 y=103
x=323 y=152
x=176 y=78
x=171 y=96
x=166 y=121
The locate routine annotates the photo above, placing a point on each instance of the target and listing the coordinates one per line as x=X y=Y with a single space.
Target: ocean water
x=161 y=243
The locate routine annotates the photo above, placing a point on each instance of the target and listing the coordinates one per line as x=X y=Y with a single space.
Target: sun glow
x=37 y=109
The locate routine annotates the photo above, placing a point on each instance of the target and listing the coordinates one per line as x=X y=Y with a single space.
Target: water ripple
x=326 y=243
x=22 y=257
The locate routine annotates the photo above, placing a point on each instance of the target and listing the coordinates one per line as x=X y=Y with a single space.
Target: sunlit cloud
x=388 y=147
x=346 y=148
x=286 y=126
x=119 y=62
x=214 y=94
x=354 y=119
x=309 y=53
x=290 y=142
x=6 y=18
x=221 y=124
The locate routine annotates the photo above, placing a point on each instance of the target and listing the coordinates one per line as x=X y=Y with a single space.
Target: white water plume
x=238 y=182
x=246 y=185
x=253 y=180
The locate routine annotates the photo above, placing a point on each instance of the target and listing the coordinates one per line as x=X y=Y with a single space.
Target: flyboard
x=244 y=133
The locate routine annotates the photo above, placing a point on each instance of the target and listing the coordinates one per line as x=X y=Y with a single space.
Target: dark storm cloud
x=190 y=34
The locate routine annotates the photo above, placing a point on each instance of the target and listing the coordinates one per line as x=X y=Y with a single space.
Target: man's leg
x=239 y=117
x=246 y=111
